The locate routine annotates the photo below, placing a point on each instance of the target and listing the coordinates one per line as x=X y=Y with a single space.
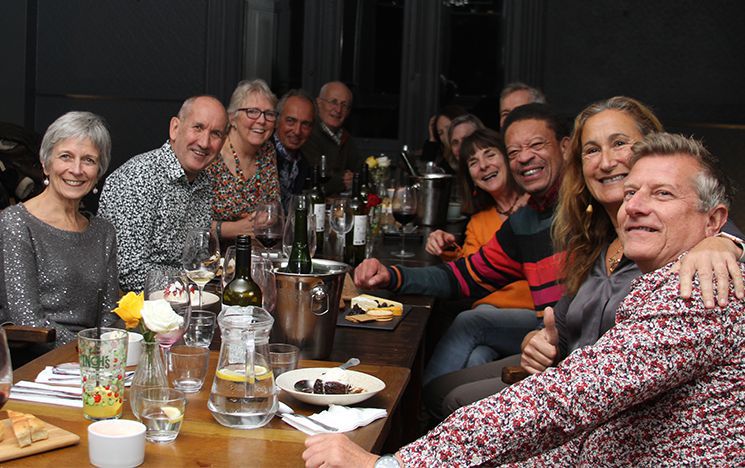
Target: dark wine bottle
x=299 y=261
x=242 y=290
x=318 y=202
x=365 y=182
x=356 y=240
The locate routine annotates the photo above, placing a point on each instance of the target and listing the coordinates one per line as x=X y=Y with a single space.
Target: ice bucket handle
x=319 y=299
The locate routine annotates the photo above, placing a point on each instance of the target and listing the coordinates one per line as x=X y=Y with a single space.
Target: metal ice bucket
x=308 y=306
x=433 y=196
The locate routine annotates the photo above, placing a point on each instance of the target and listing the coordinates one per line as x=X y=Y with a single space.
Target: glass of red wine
x=268 y=225
x=6 y=369
x=404 y=210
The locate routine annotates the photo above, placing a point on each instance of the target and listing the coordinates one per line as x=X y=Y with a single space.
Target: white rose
x=383 y=161
x=159 y=316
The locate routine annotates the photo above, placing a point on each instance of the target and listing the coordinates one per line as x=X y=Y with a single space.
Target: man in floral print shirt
x=666 y=385
x=155 y=198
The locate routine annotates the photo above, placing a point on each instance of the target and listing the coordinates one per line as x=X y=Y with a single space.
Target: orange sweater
x=479 y=231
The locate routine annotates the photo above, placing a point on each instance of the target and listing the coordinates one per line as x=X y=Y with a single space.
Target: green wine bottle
x=356 y=240
x=242 y=290
x=299 y=261
x=315 y=194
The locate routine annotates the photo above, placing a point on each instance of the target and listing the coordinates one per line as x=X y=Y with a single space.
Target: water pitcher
x=243 y=394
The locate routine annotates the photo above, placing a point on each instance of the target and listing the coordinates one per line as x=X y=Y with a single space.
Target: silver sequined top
x=50 y=277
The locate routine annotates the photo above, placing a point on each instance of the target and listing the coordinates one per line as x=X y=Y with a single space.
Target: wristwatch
x=388 y=460
x=739 y=242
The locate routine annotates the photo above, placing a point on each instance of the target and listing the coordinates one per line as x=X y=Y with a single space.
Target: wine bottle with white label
x=318 y=203
x=356 y=240
x=242 y=290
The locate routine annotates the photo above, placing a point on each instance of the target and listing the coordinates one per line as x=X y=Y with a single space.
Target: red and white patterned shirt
x=665 y=385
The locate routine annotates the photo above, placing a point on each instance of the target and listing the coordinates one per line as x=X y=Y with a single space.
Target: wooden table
x=202 y=441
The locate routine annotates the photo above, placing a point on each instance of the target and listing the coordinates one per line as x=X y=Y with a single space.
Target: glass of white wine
x=201 y=257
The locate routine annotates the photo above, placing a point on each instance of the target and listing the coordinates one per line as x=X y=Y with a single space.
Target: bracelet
x=738 y=242
x=218 y=229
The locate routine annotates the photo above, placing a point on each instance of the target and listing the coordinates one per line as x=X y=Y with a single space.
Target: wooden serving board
x=58 y=437
x=341 y=321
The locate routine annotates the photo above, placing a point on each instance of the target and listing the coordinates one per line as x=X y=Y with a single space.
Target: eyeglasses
x=345 y=106
x=513 y=151
x=254 y=113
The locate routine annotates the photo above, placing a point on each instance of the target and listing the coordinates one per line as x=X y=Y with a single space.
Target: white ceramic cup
x=116 y=443
x=134 y=349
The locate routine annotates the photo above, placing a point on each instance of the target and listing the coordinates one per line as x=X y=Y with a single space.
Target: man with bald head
x=155 y=198
x=330 y=138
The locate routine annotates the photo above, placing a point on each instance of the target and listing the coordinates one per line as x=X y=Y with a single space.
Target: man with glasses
x=155 y=198
x=329 y=138
x=296 y=115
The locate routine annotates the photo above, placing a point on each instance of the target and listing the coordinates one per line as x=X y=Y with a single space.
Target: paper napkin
x=343 y=418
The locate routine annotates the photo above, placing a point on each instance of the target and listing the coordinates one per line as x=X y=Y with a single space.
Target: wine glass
x=268 y=224
x=228 y=266
x=201 y=257
x=6 y=369
x=404 y=210
x=173 y=286
x=341 y=219
x=288 y=235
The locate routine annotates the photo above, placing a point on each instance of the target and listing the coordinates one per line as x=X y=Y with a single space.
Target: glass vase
x=150 y=373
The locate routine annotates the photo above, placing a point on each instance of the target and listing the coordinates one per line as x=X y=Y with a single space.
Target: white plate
x=208 y=298
x=372 y=386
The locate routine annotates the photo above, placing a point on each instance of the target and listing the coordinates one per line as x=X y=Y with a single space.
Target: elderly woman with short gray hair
x=58 y=264
x=244 y=175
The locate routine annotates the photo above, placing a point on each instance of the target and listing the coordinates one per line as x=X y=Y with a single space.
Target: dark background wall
x=134 y=61
x=684 y=58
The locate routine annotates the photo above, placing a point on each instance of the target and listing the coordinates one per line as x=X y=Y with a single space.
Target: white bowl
x=372 y=386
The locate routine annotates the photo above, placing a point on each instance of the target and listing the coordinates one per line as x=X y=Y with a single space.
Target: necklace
x=508 y=211
x=615 y=259
x=238 y=170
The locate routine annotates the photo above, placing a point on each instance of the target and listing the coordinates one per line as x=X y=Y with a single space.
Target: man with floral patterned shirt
x=665 y=385
x=155 y=198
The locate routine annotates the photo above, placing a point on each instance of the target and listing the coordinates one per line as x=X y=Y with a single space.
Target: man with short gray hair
x=155 y=198
x=517 y=94
x=296 y=115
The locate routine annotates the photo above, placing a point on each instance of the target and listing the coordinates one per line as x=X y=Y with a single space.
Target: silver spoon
x=350 y=363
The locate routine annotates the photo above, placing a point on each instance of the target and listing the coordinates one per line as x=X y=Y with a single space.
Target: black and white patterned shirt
x=152 y=206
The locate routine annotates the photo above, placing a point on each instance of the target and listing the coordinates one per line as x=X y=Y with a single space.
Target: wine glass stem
x=201 y=288
x=403 y=246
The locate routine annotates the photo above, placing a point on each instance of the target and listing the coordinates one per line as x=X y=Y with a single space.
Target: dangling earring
x=95 y=190
x=588 y=210
x=46 y=181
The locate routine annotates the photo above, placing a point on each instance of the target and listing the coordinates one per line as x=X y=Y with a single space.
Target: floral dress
x=233 y=197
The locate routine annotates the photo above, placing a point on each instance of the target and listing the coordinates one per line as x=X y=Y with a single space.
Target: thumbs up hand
x=541 y=351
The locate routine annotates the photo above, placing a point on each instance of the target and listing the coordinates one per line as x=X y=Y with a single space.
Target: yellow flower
x=371 y=162
x=130 y=308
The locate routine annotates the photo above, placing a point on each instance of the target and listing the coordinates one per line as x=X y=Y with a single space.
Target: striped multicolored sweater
x=520 y=250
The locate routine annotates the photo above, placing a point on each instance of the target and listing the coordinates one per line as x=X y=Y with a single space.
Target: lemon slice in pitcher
x=239 y=374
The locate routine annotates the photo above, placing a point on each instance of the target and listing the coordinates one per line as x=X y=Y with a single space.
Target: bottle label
x=319 y=209
x=360 y=230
